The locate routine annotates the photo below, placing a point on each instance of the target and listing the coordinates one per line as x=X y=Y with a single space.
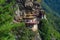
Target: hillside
x=52 y=15
x=48 y=29
x=53 y=4
x=52 y=26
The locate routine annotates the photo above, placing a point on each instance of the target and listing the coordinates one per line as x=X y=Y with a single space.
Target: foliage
x=48 y=32
x=7 y=25
x=51 y=28
x=6 y=18
x=23 y=33
x=39 y=0
x=52 y=16
x=48 y=29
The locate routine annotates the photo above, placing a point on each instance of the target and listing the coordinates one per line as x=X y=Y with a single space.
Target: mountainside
x=48 y=29
x=53 y=4
x=52 y=15
x=51 y=28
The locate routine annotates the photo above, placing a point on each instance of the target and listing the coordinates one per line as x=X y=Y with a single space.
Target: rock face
x=29 y=3
x=37 y=37
x=30 y=12
x=35 y=27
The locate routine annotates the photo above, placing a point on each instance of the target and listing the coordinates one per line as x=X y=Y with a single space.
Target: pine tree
x=6 y=18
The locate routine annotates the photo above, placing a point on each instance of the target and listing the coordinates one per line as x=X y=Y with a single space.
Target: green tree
x=5 y=20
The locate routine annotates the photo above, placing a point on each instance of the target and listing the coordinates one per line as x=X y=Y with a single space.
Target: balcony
x=31 y=14
x=32 y=21
x=28 y=17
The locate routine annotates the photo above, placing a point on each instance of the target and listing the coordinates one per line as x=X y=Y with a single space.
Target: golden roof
x=31 y=14
x=28 y=17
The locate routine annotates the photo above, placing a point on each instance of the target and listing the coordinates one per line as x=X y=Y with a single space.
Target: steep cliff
x=48 y=29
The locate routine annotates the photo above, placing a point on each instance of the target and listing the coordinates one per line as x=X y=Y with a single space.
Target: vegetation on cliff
x=48 y=32
x=48 y=29
x=7 y=26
